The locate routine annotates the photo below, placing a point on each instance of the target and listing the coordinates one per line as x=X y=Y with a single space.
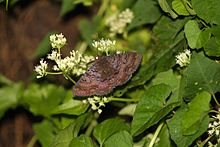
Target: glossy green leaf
x=207 y=10
x=192 y=32
x=119 y=139
x=42 y=99
x=151 y=108
x=197 y=109
x=145 y=12
x=44 y=132
x=81 y=141
x=202 y=75
x=10 y=97
x=107 y=128
x=179 y=7
x=175 y=128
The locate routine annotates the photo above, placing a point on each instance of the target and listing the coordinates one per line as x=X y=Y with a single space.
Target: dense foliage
x=166 y=104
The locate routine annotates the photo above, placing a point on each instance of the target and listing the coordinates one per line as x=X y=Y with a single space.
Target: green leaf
x=145 y=12
x=204 y=38
x=119 y=139
x=128 y=110
x=10 y=97
x=174 y=81
x=44 y=46
x=202 y=75
x=84 y=2
x=212 y=46
x=81 y=141
x=175 y=128
x=151 y=108
x=107 y=128
x=44 y=132
x=89 y=29
x=72 y=107
x=192 y=32
x=166 y=8
x=65 y=136
x=179 y=7
x=168 y=30
x=66 y=7
x=42 y=99
x=198 y=109
x=207 y=10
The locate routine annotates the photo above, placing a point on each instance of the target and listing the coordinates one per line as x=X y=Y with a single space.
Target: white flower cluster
x=183 y=59
x=104 y=45
x=41 y=69
x=97 y=102
x=57 y=40
x=214 y=129
x=117 y=23
x=75 y=64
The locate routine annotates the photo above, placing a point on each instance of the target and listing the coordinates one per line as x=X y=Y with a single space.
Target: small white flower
x=57 y=40
x=94 y=107
x=117 y=23
x=84 y=101
x=41 y=69
x=54 y=55
x=104 y=45
x=97 y=102
x=126 y=16
x=214 y=126
x=99 y=111
x=183 y=59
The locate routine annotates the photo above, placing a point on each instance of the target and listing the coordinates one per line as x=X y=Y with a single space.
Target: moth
x=106 y=73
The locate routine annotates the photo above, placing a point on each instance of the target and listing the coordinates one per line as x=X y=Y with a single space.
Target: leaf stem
x=90 y=127
x=156 y=134
x=54 y=73
x=74 y=82
x=216 y=100
x=205 y=141
x=32 y=141
x=104 y=5
x=123 y=99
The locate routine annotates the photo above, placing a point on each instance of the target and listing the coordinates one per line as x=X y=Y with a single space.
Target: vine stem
x=123 y=99
x=156 y=134
x=32 y=141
